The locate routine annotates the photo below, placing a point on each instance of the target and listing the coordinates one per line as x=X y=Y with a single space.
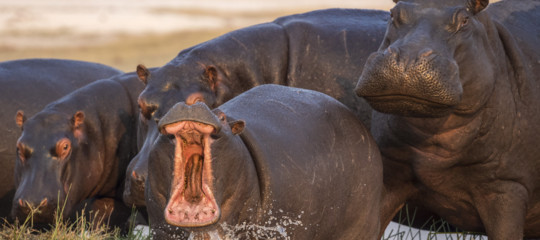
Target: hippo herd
x=320 y=125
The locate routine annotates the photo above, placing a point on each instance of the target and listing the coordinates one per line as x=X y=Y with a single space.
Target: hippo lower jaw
x=408 y=106
x=192 y=202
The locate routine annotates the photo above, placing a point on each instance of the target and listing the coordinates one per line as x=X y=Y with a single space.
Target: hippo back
x=29 y=85
x=328 y=49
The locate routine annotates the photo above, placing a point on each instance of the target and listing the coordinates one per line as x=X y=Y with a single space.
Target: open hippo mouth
x=192 y=202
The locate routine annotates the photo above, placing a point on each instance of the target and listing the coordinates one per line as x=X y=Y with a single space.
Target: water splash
x=212 y=235
x=273 y=228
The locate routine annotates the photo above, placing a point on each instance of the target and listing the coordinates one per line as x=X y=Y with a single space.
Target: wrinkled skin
x=320 y=50
x=208 y=171
x=29 y=85
x=77 y=149
x=455 y=89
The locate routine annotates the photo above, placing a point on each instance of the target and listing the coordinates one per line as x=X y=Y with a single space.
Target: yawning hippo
x=30 y=84
x=77 y=149
x=275 y=162
x=457 y=94
x=321 y=50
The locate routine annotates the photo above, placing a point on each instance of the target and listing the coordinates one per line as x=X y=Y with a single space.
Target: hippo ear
x=143 y=73
x=77 y=120
x=237 y=126
x=211 y=74
x=475 y=6
x=20 y=118
x=217 y=83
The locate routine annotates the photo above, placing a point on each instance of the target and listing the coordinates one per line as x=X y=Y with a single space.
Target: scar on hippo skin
x=143 y=73
x=20 y=118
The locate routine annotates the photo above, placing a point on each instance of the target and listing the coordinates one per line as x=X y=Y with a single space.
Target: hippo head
x=188 y=82
x=431 y=62
x=47 y=166
x=196 y=197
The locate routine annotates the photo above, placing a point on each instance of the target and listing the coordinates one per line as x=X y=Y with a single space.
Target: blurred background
x=124 y=33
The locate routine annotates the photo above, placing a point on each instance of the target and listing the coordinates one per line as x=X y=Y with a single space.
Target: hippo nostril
x=426 y=52
x=139 y=179
x=392 y=50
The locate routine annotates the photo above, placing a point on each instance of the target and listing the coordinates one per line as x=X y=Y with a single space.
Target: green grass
x=81 y=228
x=86 y=226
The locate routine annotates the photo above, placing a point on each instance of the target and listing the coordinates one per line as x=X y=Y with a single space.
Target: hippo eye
x=464 y=22
x=63 y=148
x=171 y=138
x=460 y=20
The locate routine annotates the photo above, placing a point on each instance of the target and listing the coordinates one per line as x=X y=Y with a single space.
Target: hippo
x=75 y=152
x=275 y=162
x=455 y=88
x=30 y=84
x=321 y=50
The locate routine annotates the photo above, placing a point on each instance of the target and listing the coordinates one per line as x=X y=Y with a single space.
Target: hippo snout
x=41 y=210
x=415 y=84
x=134 y=188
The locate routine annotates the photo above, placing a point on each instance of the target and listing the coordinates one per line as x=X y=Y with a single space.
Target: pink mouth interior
x=192 y=202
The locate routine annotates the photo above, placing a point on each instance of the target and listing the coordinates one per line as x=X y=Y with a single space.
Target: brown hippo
x=456 y=91
x=320 y=50
x=76 y=150
x=275 y=162
x=30 y=84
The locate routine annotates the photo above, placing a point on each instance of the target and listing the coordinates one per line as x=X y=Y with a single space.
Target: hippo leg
x=109 y=211
x=502 y=210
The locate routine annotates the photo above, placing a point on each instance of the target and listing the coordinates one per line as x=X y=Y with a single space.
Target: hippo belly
x=29 y=85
